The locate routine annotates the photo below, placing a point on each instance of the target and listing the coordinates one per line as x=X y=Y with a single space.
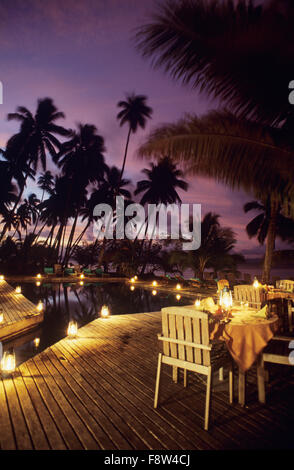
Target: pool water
x=70 y=301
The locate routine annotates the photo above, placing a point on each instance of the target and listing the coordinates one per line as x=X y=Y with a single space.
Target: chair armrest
x=283 y=338
x=184 y=343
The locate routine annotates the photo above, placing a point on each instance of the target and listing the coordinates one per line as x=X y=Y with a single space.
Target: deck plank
x=20 y=314
x=96 y=392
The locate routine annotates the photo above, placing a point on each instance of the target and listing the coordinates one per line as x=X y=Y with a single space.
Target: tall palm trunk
x=125 y=155
x=270 y=241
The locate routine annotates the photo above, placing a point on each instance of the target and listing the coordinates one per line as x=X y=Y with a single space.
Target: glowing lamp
x=178 y=286
x=1 y=277
x=154 y=292
x=132 y=288
x=36 y=342
x=38 y=283
x=256 y=283
x=154 y=283
x=82 y=276
x=1 y=317
x=18 y=290
x=133 y=280
x=72 y=329
x=81 y=283
x=178 y=297
x=40 y=306
x=197 y=303
x=8 y=362
x=104 y=311
x=225 y=299
x=39 y=276
x=136 y=278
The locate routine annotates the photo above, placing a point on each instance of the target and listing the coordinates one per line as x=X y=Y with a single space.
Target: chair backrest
x=255 y=296
x=186 y=325
x=222 y=283
x=286 y=284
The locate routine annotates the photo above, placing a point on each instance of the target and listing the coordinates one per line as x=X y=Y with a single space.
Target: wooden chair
x=277 y=352
x=255 y=297
x=290 y=305
x=186 y=345
x=285 y=284
x=221 y=284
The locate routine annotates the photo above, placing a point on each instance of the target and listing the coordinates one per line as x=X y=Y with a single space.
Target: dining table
x=246 y=332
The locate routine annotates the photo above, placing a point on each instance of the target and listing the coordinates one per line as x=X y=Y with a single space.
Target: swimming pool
x=64 y=302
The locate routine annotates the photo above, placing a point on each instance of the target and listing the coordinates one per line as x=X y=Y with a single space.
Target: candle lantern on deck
x=197 y=303
x=40 y=306
x=105 y=312
x=255 y=283
x=1 y=277
x=8 y=362
x=1 y=317
x=18 y=290
x=72 y=329
x=225 y=299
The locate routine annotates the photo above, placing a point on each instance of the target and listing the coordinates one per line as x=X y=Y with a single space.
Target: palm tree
x=81 y=160
x=237 y=152
x=46 y=182
x=8 y=193
x=228 y=51
x=160 y=187
x=82 y=157
x=37 y=136
x=135 y=113
x=161 y=184
x=260 y=227
x=215 y=252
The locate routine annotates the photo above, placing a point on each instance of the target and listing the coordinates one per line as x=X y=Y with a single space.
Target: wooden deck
x=96 y=392
x=20 y=314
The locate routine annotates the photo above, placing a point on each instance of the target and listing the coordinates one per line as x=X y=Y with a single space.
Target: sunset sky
x=81 y=54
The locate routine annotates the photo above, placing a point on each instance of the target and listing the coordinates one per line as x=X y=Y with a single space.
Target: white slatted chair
x=277 y=352
x=186 y=345
x=255 y=297
x=286 y=285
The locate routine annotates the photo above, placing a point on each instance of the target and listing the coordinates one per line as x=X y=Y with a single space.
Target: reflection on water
x=66 y=302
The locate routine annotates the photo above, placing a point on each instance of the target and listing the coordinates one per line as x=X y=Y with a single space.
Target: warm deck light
x=72 y=329
x=1 y=277
x=197 y=303
x=154 y=292
x=8 y=362
x=132 y=288
x=40 y=306
x=225 y=299
x=154 y=283
x=36 y=342
x=81 y=283
x=39 y=276
x=136 y=278
x=18 y=290
x=178 y=287
x=105 y=312
x=178 y=296
x=1 y=317
x=38 y=283
x=256 y=283
x=82 y=276
x=133 y=280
